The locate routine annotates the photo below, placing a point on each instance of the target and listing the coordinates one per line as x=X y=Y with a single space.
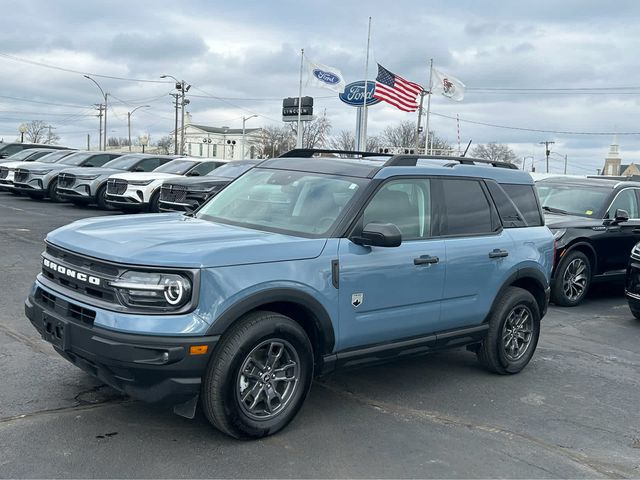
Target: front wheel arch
x=584 y=247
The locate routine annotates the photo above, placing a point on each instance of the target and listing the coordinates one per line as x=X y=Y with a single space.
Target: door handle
x=425 y=260
x=497 y=253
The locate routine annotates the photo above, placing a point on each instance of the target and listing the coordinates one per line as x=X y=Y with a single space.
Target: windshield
x=53 y=157
x=123 y=163
x=230 y=170
x=298 y=203
x=583 y=200
x=77 y=158
x=179 y=167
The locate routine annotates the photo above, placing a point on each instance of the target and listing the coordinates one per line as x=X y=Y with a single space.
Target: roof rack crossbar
x=310 y=152
x=412 y=160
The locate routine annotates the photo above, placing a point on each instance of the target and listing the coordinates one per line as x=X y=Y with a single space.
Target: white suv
x=141 y=190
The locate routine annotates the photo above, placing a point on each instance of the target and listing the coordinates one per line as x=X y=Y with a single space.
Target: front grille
x=4 y=172
x=83 y=265
x=21 y=175
x=66 y=180
x=68 y=310
x=116 y=186
x=173 y=193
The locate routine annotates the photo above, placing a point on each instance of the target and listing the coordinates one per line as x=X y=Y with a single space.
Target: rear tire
x=514 y=329
x=572 y=280
x=634 y=310
x=241 y=393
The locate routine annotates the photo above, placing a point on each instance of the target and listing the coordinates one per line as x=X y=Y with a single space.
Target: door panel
x=621 y=238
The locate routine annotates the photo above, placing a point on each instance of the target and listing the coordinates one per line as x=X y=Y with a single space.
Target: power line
x=538 y=130
x=43 y=103
x=69 y=70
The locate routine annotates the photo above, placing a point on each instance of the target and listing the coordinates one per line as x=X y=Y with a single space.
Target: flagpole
x=427 y=143
x=417 y=142
x=299 y=139
x=363 y=128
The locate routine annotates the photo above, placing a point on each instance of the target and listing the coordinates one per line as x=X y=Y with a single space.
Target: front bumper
x=632 y=282
x=151 y=368
x=33 y=185
x=77 y=192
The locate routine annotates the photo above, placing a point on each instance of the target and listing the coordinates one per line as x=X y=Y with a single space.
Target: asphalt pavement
x=573 y=412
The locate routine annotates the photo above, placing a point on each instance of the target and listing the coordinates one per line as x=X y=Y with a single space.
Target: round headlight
x=173 y=291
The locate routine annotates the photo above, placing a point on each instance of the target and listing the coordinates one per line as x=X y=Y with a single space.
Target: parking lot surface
x=573 y=412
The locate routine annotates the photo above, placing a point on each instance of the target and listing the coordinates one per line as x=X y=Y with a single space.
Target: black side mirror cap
x=376 y=234
x=621 y=216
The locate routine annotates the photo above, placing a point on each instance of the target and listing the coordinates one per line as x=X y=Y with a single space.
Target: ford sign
x=326 y=77
x=354 y=94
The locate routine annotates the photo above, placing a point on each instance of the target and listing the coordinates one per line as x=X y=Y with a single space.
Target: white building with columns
x=220 y=142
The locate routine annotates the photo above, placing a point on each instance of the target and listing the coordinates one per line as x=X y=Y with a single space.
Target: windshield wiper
x=554 y=210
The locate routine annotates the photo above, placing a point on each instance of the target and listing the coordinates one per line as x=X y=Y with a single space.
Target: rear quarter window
x=525 y=198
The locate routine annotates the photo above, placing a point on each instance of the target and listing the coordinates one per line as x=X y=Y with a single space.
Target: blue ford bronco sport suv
x=300 y=266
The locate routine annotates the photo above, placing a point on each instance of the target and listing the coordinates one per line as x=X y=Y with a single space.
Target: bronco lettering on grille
x=83 y=277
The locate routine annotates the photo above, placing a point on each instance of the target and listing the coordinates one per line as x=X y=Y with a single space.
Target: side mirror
x=138 y=169
x=379 y=235
x=621 y=216
x=193 y=174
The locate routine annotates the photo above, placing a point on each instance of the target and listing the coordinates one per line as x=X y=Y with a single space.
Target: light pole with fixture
x=23 y=129
x=524 y=161
x=183 y=88
x=104 y=95
x=129 y=121
x=244 y=120
x=565 y=160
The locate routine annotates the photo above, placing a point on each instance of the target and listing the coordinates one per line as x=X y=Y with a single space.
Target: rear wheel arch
x=299 y=306
x=529 y=279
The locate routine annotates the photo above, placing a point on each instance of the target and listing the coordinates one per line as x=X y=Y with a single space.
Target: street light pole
x=183 y=88
x=104 y=95
x=129 y=121
x=22 y=129
x=524 y=161
x=244 y=120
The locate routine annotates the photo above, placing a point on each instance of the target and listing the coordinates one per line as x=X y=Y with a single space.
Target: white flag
x=324 y=76
x=447 y=85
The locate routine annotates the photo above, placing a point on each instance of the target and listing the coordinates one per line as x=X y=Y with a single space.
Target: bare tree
x=495 y=152
x=346 y=140
x=274 y=140
x=165 y=144
x=403 y=135
x=315 y=134
x=40 y=132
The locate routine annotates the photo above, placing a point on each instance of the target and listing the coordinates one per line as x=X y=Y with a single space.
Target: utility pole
x=244 y=120
x=175 y=132
x=183 y=88
x=49 y=137
x=88 y=141
x=546 y=144
x=105 y=121
x=565 y=163
x=99 y=107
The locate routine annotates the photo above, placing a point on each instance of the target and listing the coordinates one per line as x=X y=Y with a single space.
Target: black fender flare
x=522 y=273
x=321 y=318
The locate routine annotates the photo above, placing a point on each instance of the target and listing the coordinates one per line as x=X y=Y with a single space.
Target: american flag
x=397 y=91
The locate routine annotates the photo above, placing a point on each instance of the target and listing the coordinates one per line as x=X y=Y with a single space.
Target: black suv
x=187 y=194
x=596 y=223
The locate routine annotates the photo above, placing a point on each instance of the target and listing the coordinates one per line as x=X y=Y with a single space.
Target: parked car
x=83 y=187
x=295 y=269
x=29 y=155
x=187 y=194
x=141 y=191
x=8 y=149
x=7 y=169
x=596 y=223
x=40 y=180
x=632 y=283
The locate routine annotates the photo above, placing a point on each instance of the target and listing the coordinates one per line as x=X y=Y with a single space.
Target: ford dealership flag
x=397 y=91
x=447 y=85
x=325 y=76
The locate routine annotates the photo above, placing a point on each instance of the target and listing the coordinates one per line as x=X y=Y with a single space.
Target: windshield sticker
x=589 y=212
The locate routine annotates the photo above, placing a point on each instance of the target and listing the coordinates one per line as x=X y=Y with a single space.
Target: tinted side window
x=11 y=149
x=406 y=203
x=524 y=196
x=625 y=200
x=147 y=165
x=468 y=210
x=204 y=168
x=509 y=213
x=98 y=160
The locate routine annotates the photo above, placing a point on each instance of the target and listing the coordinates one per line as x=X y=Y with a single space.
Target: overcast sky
x=246 y=55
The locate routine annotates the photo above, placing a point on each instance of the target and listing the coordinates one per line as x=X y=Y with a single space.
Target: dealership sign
x=354 y=94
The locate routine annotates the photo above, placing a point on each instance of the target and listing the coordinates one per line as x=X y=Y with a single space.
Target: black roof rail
x=310 y=152
x=412 y=160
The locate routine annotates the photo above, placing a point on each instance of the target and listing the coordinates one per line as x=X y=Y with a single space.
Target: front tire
x=514 y=329
x=635 y=308
x=572 y=280
x=154 y=202
x=258 y=377
x=52 y=192
x=101 y=198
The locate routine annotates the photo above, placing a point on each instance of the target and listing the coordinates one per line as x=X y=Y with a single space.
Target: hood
x=48 y=166
x=144 y=176
x=206 y=181
x=555 y=220
x=175 y=240
x=15 y=164
x=91 y=171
